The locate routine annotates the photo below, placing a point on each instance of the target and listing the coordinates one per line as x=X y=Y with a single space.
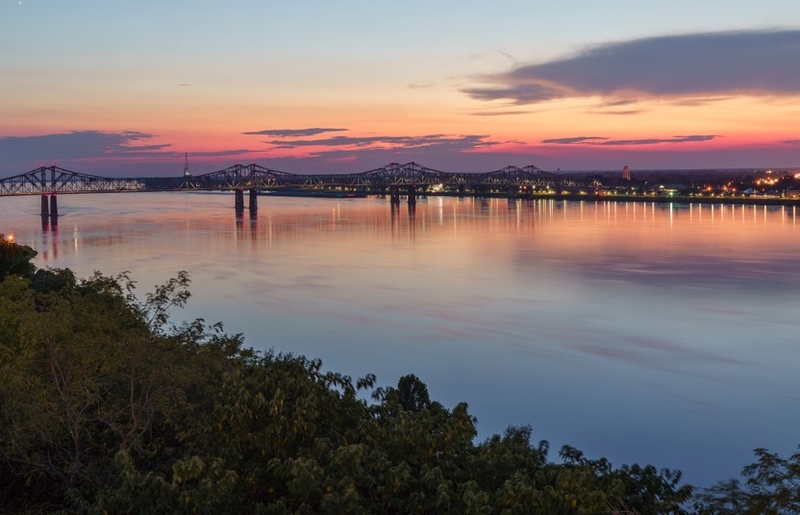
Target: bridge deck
x=53 y=179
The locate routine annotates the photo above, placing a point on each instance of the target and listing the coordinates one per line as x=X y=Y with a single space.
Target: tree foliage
x=108 y=407
x=15 y=259
x=772 y=487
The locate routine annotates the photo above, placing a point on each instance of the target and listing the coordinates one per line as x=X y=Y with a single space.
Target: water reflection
x=662 y=333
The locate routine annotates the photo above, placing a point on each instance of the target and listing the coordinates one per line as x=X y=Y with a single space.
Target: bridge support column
x=394 y=195
x=253 y=201
x=239 y=201
x=412 y=195
x=45 y=206
x=53 y=206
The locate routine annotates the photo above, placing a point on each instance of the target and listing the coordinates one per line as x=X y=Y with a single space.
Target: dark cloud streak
x=621 y=113
x=465 y=152
x=287 y=133
x=599 y=140
x=466 y=142
x=499 y=113
x=696 y=65
x=95 y=149
x=75 y=145
x=577 y=139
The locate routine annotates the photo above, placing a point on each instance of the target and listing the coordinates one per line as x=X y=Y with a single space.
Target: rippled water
x=658 y=333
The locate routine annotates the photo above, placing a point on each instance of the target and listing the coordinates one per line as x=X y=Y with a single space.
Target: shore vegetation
x=109 y=406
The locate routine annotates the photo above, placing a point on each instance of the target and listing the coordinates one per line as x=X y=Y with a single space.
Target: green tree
x=413 y=393
x=88 y=371
x=106 y=406
x=772 y=488
x=15 y=259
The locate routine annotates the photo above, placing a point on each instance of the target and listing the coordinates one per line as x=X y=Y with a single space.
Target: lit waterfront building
x=626 y=173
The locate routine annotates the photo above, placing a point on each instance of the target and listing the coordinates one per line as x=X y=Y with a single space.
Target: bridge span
x=394 y=179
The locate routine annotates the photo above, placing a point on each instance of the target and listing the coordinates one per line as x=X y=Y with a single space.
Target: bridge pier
x=239 y=201
x=53 y=207
x=394 y=195
x=45 y=206
x=512 y=191
x=412 y=195
x=253 y=201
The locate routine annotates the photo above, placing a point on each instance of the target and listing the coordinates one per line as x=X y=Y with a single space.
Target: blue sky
x=120 y=88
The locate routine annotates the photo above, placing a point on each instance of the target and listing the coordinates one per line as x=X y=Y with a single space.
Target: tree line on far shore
x=107 y=406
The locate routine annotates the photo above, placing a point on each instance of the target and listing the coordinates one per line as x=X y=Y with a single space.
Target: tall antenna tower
x=186 y=172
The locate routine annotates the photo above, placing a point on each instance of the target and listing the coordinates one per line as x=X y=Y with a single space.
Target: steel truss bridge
x=394 y=177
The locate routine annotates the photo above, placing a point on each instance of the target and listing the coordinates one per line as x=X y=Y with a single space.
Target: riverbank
x=681 y=199
x=659 y=199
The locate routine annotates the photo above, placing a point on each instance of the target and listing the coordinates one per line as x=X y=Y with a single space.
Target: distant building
x=793 y=192
x=626 y=173
x=671 y=190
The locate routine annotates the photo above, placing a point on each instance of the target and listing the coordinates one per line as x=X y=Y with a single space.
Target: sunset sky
x=126 y=88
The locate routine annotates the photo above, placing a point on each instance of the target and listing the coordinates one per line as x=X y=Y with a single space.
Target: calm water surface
x=663 y=334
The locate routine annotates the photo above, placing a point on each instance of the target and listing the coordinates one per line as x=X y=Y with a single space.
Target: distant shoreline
x=659 y=199
x=770 y=201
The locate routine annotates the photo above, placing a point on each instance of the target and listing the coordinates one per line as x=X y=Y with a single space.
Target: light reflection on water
x=659 y=333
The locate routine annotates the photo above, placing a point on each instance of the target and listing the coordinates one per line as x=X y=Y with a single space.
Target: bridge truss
x=52 y=179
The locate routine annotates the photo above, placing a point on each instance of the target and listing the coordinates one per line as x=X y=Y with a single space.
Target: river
x=650 y=333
